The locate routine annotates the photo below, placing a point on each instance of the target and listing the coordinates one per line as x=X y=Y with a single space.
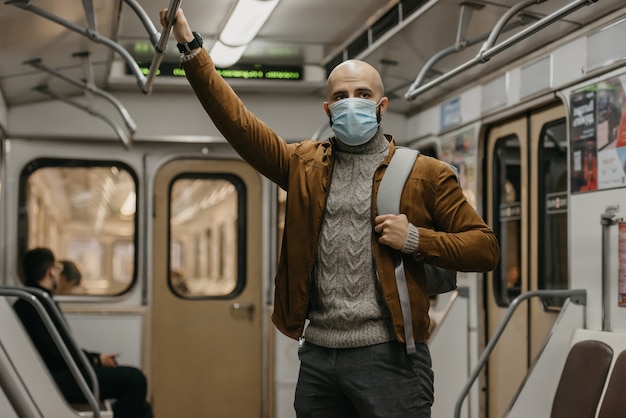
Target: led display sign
x=242 y=72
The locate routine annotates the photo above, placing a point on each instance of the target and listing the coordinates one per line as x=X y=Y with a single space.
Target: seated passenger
x=126 y=385
x=69 y=281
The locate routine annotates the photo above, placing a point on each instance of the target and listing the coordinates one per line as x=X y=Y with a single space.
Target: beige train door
x=207 y=291
x=527 y=195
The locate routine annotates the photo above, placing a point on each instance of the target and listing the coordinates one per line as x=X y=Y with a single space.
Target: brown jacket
x=451 y=233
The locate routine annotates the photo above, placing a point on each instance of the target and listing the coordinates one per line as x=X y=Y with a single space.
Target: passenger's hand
x=108 y=360
x=180 y=29
x=393 y=230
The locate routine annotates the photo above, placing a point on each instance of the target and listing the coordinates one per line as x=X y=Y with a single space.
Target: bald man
x=337 y=263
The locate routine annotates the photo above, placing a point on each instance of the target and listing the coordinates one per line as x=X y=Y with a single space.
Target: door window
x=85 y=212
x=553 y=208
x=207 y=250
x=507 y=187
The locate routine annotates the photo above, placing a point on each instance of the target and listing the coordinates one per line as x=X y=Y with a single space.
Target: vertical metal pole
x=159 y=48
x=607 y=219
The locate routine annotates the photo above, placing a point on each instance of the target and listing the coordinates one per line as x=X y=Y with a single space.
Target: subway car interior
x=109 y=160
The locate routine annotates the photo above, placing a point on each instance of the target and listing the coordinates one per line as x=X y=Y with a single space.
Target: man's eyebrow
x=336 y=93
x=356 y=90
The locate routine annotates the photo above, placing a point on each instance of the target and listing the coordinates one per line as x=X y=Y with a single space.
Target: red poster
x=621 y=269
x=621 y=130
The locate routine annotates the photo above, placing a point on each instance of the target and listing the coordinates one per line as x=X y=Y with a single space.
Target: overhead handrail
x=88 y=86
x=577 y=296
x=159 y=42
x=461 y=44
x=44 y=89
x=35 y=297
x=489 y=49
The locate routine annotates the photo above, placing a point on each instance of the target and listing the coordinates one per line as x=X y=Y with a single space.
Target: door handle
x=248 y=307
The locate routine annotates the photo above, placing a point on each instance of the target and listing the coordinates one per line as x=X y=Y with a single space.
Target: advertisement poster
x=621 y=268
x=460 y=151
x=598 y=136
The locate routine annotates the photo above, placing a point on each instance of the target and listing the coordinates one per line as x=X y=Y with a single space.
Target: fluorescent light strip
x=247 y=18
x=246 y=21
x=225 y=56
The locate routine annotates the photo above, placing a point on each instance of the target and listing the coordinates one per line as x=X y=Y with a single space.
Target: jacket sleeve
x=453 y=235
x=253 y=140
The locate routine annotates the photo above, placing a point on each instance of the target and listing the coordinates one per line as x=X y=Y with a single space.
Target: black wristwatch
x=188 y=47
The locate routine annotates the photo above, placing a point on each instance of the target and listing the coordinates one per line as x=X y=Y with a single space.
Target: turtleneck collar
x=40 y=287
x=377 y=144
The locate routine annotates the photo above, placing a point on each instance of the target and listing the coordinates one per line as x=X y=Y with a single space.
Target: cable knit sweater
x=347 y=308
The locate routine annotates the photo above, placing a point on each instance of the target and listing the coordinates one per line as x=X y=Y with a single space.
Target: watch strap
x=190 y=46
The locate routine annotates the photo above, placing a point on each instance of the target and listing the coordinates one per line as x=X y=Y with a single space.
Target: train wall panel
x=110 y=333
x=429 y=121
x=168 y=114
x=450 y=358
x=568 y=62
x=586 y=254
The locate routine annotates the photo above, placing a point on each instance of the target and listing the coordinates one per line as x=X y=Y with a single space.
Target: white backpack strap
x=390 y=190
x=388 y=201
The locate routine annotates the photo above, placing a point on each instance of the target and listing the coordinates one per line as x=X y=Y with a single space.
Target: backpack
x=438 y=279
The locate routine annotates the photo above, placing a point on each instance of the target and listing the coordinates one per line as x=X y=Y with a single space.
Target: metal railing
x=489 y=49
x=577 y=296
x=158 y=41
x=37 y=298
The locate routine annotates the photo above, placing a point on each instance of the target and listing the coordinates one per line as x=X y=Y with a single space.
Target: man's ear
x=327 y=109
x=384 y=102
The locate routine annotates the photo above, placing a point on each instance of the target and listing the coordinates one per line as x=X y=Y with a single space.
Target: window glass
x=85 y=212
x=207 y=244
x=123 y=257
x=553 y=208
x=507 y=184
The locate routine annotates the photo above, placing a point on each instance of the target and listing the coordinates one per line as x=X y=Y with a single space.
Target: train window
x=507 y=186
x=84 y=211
x=207 y=236
x=553 y=208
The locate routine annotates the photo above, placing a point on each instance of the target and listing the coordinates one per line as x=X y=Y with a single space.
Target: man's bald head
x=354 y=74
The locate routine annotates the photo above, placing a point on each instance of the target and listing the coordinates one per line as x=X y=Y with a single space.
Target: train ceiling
x=396 y=36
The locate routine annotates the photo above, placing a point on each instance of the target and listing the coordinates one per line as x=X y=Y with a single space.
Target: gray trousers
x=376 y=381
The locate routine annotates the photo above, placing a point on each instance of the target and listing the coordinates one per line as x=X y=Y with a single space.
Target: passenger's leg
x=128 y=387
x=317 y=392
x=383 y=381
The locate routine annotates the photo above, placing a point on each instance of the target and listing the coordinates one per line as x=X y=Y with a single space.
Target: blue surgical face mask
x=354 y=120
